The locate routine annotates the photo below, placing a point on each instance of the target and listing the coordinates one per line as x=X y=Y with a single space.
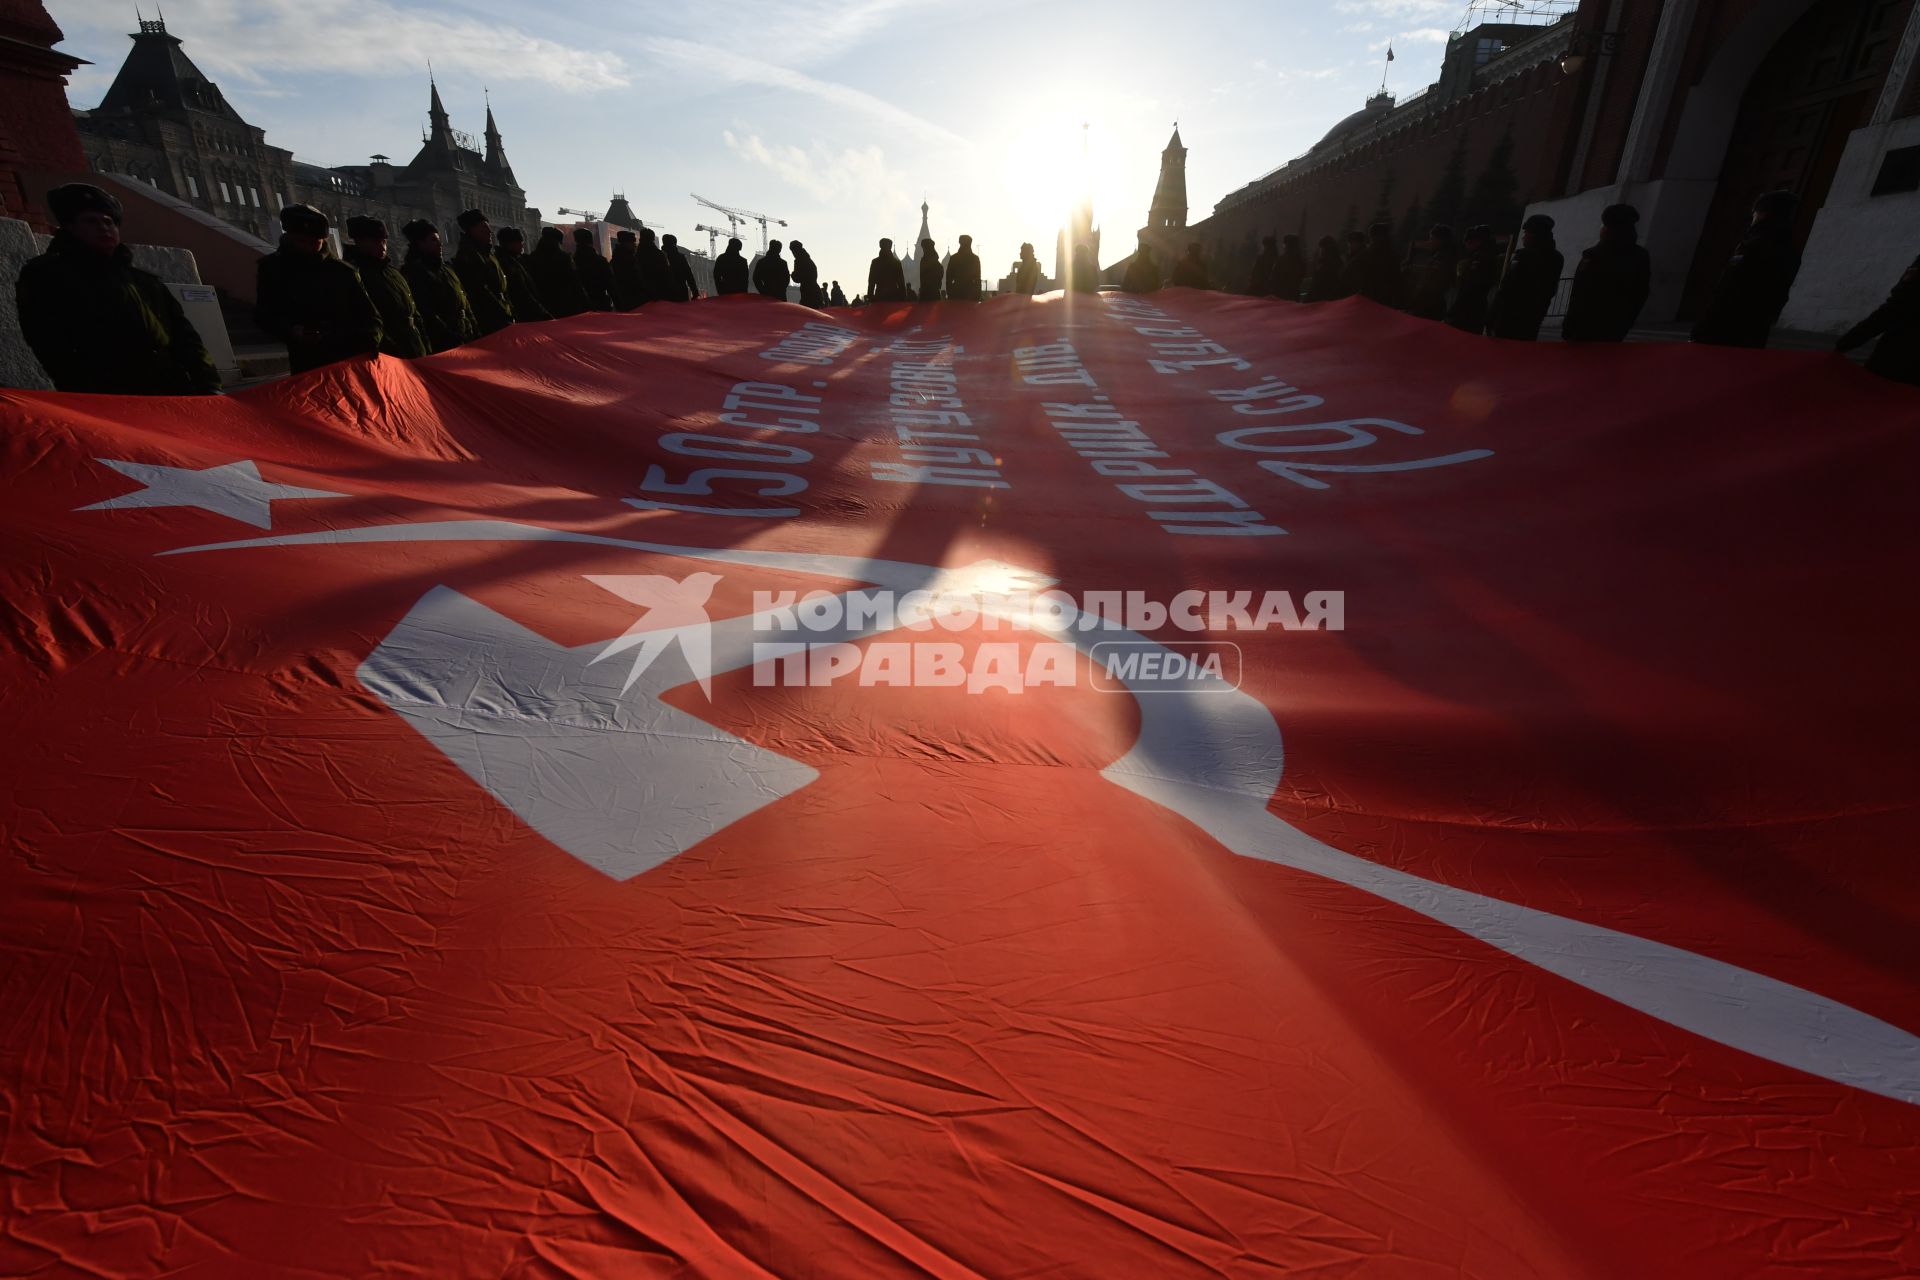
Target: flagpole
x=1385 y=65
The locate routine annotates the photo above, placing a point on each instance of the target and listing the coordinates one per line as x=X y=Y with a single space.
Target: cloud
x=1423 y=35
x=1430 y=9
x=802 y=30
x=736 y=68
x=251 y=40
x=850 y=177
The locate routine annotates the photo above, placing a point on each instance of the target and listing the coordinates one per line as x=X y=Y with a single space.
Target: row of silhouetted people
x=98 y=323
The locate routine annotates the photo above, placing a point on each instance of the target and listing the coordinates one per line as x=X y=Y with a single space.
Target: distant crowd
x=100 y=324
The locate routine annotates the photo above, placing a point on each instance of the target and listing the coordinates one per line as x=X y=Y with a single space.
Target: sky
x=839 y=117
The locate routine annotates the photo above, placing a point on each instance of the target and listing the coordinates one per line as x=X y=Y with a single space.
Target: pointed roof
x=438 y=121
x=621 y=214
x=1169 y=208
x=496 y=152
x=925 y=233
x=158 y=73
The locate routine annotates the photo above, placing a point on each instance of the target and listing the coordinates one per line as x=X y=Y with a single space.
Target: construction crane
x=713 y=237
x=735 y=217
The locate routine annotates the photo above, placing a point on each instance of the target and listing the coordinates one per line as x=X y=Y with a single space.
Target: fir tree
x=1450 y=197
x=1383 y=204
x=1495 y=199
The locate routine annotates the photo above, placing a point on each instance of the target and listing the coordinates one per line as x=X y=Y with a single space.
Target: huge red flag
x=1080 y=787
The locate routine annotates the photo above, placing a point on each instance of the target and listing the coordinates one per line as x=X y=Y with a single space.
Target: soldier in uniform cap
x=1527 y=289
x=446 y=318
x=593 y=271
x=1327 y=276
x=1374 y=272
x=806 y=274
x=651 y=260
x=1190 y=272
x=1026 y=271
x=1291 y=273
x=1265 y=263
x=1143 y=273
x=1753 y=289
x=770 y=274
x=481 y=275
x=886 y=278
x=681 y=286
x=1611 y=281
x=835 y=296
x=97 y=322
x=1474 y=278
x=730 y=270
x=963 y=273
x=511 y=255
x=932 y=274
x=1896 y=322
x=628 y=291
x=553 y=275
x=1430 y=277
x=388 y=289
x=309 y=299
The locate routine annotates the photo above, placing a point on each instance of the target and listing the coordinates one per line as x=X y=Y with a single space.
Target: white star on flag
x=235 y=490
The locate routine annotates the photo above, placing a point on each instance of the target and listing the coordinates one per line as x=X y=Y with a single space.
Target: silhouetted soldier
x=681 y=286
x=1430 y=280
x=730 y=270
x=553 y=275
x=592 y=270
x=806 y=275
x=1265 y=264
x=932 y=275
x=510 y=252
x=1085 y=269
x=1327 y=276
x=1143 y=273
x=392 y=297
x=1474 y=279
x=1896 y=322
x=309 y=299
x=1610 y=282
x=963 y=273
x=1026 y=272
x=835 y=297
x=480 y=274
x=770 y=276
x=1526 y=291
x=1376 y=272
x=1753 y=289
x=651 y=261
x=446 y=318
x=97 y=322
x=1191 y=271
x=886 y=278
x=1356 y=268
x=628 y=291
x=1291 y=273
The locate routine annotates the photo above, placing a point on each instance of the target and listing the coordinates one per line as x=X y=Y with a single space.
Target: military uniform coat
x=1609 y=287
x=392 y=298
x=595 y=275
x=486 y=284
x=521 y=292
x=323 y=298
x=1520 y=302
x=98 y=323
x=446 y=318
x=554 y=280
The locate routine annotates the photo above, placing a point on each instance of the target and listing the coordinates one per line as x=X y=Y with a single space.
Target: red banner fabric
x=1087 y=786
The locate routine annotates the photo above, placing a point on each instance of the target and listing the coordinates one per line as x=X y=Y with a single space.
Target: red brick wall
x=1416 y=155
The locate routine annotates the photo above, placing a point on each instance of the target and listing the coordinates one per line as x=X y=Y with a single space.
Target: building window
x=224 y=197
x=193 y=186
x=256 y=196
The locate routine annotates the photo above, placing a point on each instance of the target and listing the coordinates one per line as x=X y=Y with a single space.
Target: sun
x=1047 y=171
